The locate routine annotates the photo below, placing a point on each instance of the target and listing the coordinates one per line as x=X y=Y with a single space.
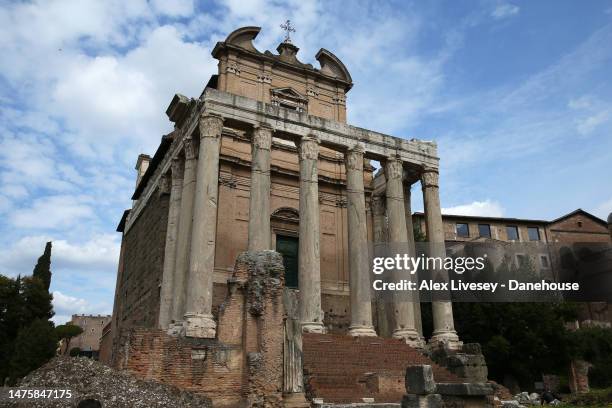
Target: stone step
x=345 y=369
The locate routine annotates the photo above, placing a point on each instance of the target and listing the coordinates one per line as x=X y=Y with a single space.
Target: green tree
x=42 y=270
x=35 y=345
x=67 y=332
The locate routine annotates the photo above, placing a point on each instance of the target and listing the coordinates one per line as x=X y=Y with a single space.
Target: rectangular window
x=512 y=232
x=544 y=261
x=484 y=230
x=463 y=230
x=534 y=233
x=521 y=260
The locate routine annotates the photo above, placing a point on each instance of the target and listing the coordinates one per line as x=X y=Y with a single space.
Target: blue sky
x=518 y=96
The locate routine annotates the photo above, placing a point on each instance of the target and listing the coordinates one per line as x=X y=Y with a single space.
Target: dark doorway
x=288 y=248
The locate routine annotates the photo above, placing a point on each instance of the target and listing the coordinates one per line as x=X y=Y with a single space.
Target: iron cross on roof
x=288 y=30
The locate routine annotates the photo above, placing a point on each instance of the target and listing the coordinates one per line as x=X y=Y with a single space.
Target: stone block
x=420 y=380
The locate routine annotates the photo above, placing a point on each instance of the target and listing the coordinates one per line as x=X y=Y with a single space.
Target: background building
x=89 y=341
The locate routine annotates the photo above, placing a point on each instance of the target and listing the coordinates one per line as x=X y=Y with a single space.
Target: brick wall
x=243 y=365
x=143 y=261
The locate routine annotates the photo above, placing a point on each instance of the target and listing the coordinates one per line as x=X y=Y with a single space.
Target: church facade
x=264 y=161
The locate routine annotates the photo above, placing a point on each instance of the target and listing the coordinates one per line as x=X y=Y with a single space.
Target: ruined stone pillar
x=183 y=241
x=398 y=238
x=418 y=324
x=174 y=208
x=199 y=321
x=359 y=275
x=259 y=206
x=309 y=263
x=444 y=328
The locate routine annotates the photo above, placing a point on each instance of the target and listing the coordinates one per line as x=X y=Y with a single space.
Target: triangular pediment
x=288 y=93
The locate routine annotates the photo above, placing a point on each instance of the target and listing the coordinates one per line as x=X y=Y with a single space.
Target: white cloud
x=505 y=10
x=173 y=8
x=99 y=254
x=485 y=208
x=50 y=212
x=603 y=209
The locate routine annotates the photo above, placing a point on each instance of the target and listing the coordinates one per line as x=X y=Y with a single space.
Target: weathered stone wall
x=578 y=228
x=143 y=262
x=244 y=363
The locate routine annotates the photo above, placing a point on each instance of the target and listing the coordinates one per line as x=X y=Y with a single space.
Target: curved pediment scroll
x=243 y=37
x=332 y=66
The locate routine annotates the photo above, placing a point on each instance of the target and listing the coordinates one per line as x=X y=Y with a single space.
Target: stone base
x=295 y=400
x=313 y=327
x=359 y=330
x=200 y=326
x=410 y=337
x=446 y=340
x=175 y=328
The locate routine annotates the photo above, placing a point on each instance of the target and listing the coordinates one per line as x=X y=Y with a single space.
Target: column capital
x=177 y=167
x=394 y=169
x=308 y=148
x=354 y=158
x=430 y=178
x=190 y=148
x=210 y=125
x=163 y=184
x=262 y=137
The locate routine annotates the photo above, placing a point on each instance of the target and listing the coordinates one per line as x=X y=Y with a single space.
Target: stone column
x=199 y=321
x=398 y=238
x=174 y=208
x=444 y=328
x=259 y=206
x=183 y=241
x=418 y=324
x=309 y=262
x=384 y=315
x=359 y=274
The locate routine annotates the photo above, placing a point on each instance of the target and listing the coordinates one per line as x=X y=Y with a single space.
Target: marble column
x=199 y=321
x=259 y=205
x=174 y=210
x=183 y=241
x=384 y=315
x=418 y=324
x=444 y=328
x=398 y=239
x=359 y=274
x=309 y=262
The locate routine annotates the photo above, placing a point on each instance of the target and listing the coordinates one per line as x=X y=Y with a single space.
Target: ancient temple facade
x=264 y=160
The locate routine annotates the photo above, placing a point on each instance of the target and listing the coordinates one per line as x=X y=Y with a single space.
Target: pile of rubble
x=521 y=400
x=90 y=380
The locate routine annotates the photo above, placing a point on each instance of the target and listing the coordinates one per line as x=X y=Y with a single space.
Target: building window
x=512 y=232
x=484 y=230
x=534 y=233
x=463 y=230
x=544 y=261
x=288 y=248
x=521 y=260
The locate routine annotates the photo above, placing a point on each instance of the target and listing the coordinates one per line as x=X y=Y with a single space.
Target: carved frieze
x=233 y=68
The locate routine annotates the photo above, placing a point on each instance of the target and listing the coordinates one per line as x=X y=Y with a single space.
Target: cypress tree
x=42 y=270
